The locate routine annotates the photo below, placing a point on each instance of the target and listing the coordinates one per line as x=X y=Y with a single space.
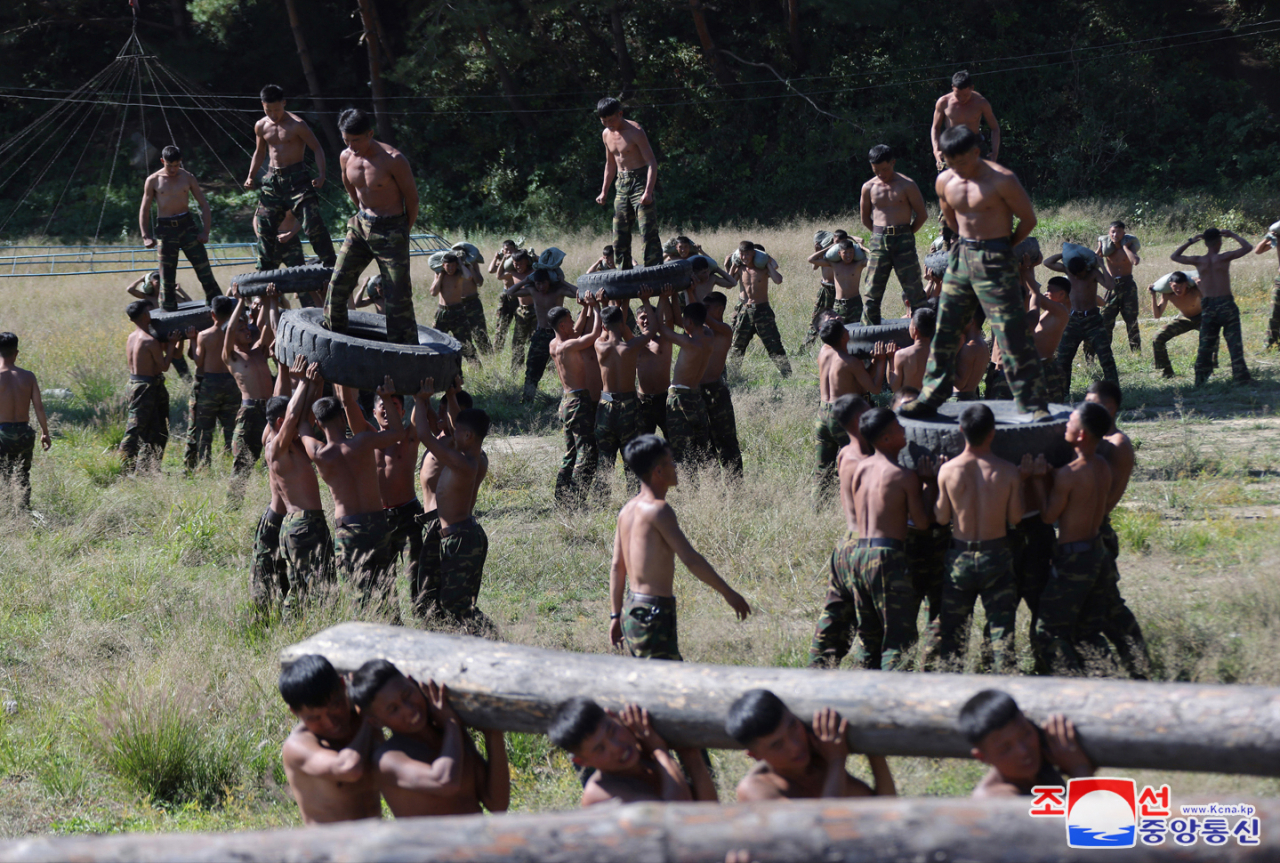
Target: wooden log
x=888 y=829
x=1161 y=726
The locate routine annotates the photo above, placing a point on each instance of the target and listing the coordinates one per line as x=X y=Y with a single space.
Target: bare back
x=291 y=474
x=17 y=388
x=909 y=365
x=146 y=355
x=1086 y=485
x=618 y=357
x=981 y=494
x=694 y=357
x=209 y=350
x=881 y=498
x=348 y=467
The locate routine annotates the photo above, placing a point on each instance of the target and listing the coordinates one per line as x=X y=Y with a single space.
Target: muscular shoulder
x=760 y=783
x=943 y=101
x=634 y=127
x=298 y=745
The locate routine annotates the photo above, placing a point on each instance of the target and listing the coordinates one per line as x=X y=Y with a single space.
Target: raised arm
x=1054 y=262
x=297 y=401
x=1158 y=301
x=445 y=454
x=227 y=348
x=350 y=398
x=1192 y=260
x=1245 y=247
x=307 y=756
x=134 y=292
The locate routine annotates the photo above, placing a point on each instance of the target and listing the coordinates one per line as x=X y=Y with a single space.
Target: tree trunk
x=626 y=71
x=181 y=21
x=371 y=44
x=722 y=76
x=504 y=77
x=793 y=31
x=327 y=125
x=889 y=829
x=1159 y=726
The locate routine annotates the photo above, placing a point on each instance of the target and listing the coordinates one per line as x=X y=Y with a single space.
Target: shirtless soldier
x=841 y=373
x=846 y=274
x=1085 y=323
x=171 y=188
x=1123 y=298
x=429 y=766
x=909 y=363
x=629 y=158
x=149 y=359
x=456 y=287
x=826 y=284
x=1185 y=296
x=653 y=370
x=246 y=358
x=979 y=200
x=645 y=546
x=721 y=421
x=688 y=425
x=326 y=756
x=578 y=467
x=1021 y=755
x=963 y=106
x=794 y=761
x=893 y=211
x=544 y=295
x=1265 y=245
x=283 y=139
x=217 y=398
x=19 y=395
x=380 y=183
x=617 y=350
x=755 y=315
x=1218 y=309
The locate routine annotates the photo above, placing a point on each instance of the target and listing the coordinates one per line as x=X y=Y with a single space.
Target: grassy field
x=140 y=693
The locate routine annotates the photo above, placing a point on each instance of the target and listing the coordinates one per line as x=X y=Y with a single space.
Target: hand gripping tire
x=626 y=284
x=863 y=338
x=288 y=280
x=361 y=356
x=191 y=314
x=940 y=435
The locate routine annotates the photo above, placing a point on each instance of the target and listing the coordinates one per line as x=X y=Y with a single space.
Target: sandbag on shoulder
x=1072 y=251
x=1162 y=285
x=509 y=266
x=1274 y=231
x=1109 y=248
x=761 y=259
x=823 y=239
x=833 y=253
x=469 y=253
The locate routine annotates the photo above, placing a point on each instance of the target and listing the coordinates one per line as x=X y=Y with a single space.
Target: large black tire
x=288 y=280
x=863 y=338
x=193 y=314
x=626 y=284
x=361 y=356
x=941 y=435
x=936 y=262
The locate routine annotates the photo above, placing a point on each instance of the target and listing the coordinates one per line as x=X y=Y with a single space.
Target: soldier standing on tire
x=630 y=159
x=892 y=209
x=379 y=181
x=171 y=188
x=287 y=186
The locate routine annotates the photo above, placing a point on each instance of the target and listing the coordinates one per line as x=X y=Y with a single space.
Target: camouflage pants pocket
x=649 y=628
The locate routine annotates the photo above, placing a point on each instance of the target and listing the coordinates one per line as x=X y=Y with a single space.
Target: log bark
x=1159 y=726
x=327 y=125
x=886 y=829
x=373 y=46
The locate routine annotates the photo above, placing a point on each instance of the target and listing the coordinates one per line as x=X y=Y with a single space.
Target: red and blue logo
x=1102 y=813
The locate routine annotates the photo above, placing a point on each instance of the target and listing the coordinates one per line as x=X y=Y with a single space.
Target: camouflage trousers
x=180 y=233
x=627 y=212
x=464 y=321
x=502 y=319
x=424 y=581
x=723 y=425
x=988 y=277
x=463 y=548
x=996 y=385
x=362 y=548
x=384 y=239
x=1220 y=315
x=1054 y=385
x=849 y=309
x=17 y=448
x=652 y=414
x=927 y=567
x=1031 y=547
x=829 y=436
x=973 y=575
x=616 y=417
x=649 y=627
x=1117 y=628
x=289 y=190
x=524 y=324
x=308 y=551
x=894 y=253
x=1072 y=596
x=217 y=400
x=757 y=319
x=1080 y=328
x=269 y=573
x=147 y=433
x=1171 y=330
x=1273 y=324
x=246 y=441
x=578 y=466
x=1122 y=301
x=826 y=299
x=404 y=532
x=688 y=426
x=869 y=591
x=539 y=355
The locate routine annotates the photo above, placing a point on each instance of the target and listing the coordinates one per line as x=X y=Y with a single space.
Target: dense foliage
x=492 y=99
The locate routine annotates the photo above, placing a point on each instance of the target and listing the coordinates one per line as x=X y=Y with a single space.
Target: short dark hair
x=354 y=121
x=925 y=321
x=222 y=307
x=326 y=409
x=715 y=298
x=757 y=713
x=1179 y=277
x=272 y=93
x=276 y=407
x=880 y=153
x=745 y=248
x=8 y=344
x=1212 y=235
x=695 y=312
x=171 y=154
x=962 y=79
x=845 y=244
x=474 y=419
x=839 y=233
x=573 y=722
x=608 y=250
x=1118 y=224
x=957 y=141
x=1062 y=283
x=1077 y=265
x=683 y=239
x=611 y=316
x=521 y=255
x=847 y=407
x=976 y=422
x=1109 y=390
x=506 y=243
x=988 y=711
x=874 y=423
x=135 y=309
x=1095 y=418
x=607 y=107
x=643 y=453
x=309 y=681
x=369 y=679
x=556 y=315
x=449 y=258
x=464 y=399
x=541 y=276
x=830 y=331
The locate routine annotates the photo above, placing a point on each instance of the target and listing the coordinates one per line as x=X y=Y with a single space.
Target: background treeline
x=492 y=99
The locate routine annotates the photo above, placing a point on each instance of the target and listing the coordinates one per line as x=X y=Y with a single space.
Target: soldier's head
x=701 y=268
x=847 y=410
x=509 y=246
x=273 y=102
x=977 y=424
x=715 y=303
x=153 y=282
x=1001 y=736
x=609 y=110
x=8 y=345
x=607 y=253
x=1059 y=289
x=222 y=307
x=684 y=247
x=593 y=736
x=356 y=127
x=1108 y=394
x=770 y=732
x=882 y=160
x=1178 y=282
x=328 y=411
x=470 y=428
x=388 y=699
x=380 y=412
x=834 y=333
x=139 y=311
x=317 y=696
x=694 y=316
x=1212 y=239
x=1116 y=232
x=171 y=157
x=881 y=429
x=828 y=315
x=959 y=146
x=839 y=234
x=521 y=262
x=612 y=318
x=541 y=281
x=561 y=321
x=924 y=323
x=1089 y=423
x=848 y=251
x=747 y=253
x=277 y=406
x=650 y=459
x=962 y=86
x=449 y=263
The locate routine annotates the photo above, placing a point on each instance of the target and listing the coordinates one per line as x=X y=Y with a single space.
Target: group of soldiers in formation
x=945 y=534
